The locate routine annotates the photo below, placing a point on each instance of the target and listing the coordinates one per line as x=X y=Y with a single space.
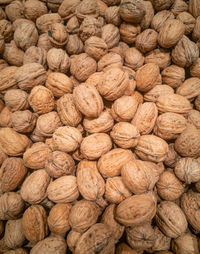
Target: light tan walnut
x=147 y=40
x=12 y=54
x=16 y=99
x=35 y=55
x=190 y=88
x=173 y=76
x=95 y=47
x=134 y=58
x=129 y=32
x=66 y=9
x=111 y=35
x=159 y=56
x=7 y=81
x=58 y=60
x=58 y=35
x=33 y=9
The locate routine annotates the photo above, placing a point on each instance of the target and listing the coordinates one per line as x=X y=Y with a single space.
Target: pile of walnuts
x=99 y=126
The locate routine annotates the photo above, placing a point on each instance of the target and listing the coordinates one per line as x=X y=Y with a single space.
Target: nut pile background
x=100 y=126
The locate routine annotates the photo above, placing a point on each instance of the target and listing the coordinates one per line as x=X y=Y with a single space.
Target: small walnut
x=160 y=18
x=35 y=55
x=136 y=209
x=16 y=99
x=66 y=9
x=179 y=6
x=120 y=49
x=145 y=117
x=72 y=25
x=44 y=22
x=171 y=219
x=149 y=14
x=6 y=29
x=194 y=8
x=34 y=187
x=160 y=57
x=95 y=47
x=41 y=100
x=173 y=76
x=44 y=43
x=63 y=190
x=185 y=52
x=58 y=35
x=58 y=219
x=13 y=143
x=111 y=35
x=72 y=239
x=74 y=45
x=11 y=206
x=87 y=8
x=12 y=54
x=110 y=60
x=147 y=40
x=129 y=32
x=195 y=69
x=160 y=5
x=7 y=81
x=34 y=223
x=5 y=116
x=23 y=121
x=15 y=10
x=112 y=15
x=188 y=20
x=33 y=9
x=133 y=58
x=58 y=60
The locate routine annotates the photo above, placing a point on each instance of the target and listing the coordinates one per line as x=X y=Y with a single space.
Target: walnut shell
x=34 y=223
x=66 y=9
x=14 y=10
x=12 y=173
x=136 y=209
x=194 y=8
x=72 y=239
x=95 y=47
x=145 y=117
x=11 y=206
x=133 y=58
x=188 y=20
x=33 y=9
x=5 y=117
x=63 y=190
x=74 y=45
x=16 y=99
x=13 y=143
x=6 y=29
x=12 y=54
x=44 y=43
x=3 y=156
x=44 y=22
x=87 y=8
x=58 y=60
x=185 y=52
x=7 y=80
x=34 y=187
x=194 y=118
x=160 y=18
x=52 y=244
x=160 y=5
x=151 y=148
x=179 y=6
x=58 y=35
x=139 y=176
x=173 y=76
x=35 y=55
x=172 y=157
x=170 y=219
x=59 y=164
x=190 y=88
x=83 y=215
x=95 y=145
x=120 y=49
x=195 y=69
x=67 y=111
x=112 y=15
x=110 y=60
x=129 y=32
x=87 y=100
x=110 y=34
x=58 y=219
x=111 y=163
x=173 y=103
x=159 y=56
x=147 y=40
x=169 y=125
x=98 y=238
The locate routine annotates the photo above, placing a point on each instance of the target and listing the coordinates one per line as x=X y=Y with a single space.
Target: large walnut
x=33 y=9
x=111 y=35
x=173 y=75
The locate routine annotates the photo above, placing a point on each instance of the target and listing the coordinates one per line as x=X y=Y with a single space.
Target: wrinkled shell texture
x=100 y=126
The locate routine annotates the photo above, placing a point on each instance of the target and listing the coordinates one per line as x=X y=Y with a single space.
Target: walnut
x=54 y=5
x=147 y=40
x=5 y=116
x=173 y=76
x=16 y=99
x=44 y=42
x=3 y=156
x=172 y=157
x=7 y=80
x=72 y=238
x=35 y=55
x=43 y=22
x=112 y=15
x=74 y=45
x=194 y=8
x=133 y=58
x=58 y=219
x=120 y=49
x=160 y=18
x=194 y=118
x=160 y=5
x=195 y=69
x=58 y=60
x=12 y=54
x=72 y=25
x=188 y=20
x=34 y=187
x=6 y=30
x=87 y=8
x=15 y=10
x=66 y=9
x=179 y=6
x=190 y=88
x=129 y=32
x=110 y=60
x=149 y=14
x=34 y=223
x=58 y=35
x=12 y=173
x=160 y=57
x=33 y=9
x=111 y=35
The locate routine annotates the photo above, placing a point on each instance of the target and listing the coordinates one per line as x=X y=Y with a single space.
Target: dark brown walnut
x=66 y=9
x=136 y=210
x=194 y=118
x=171 y=219
x=43 y=22
x=12 y=173
x=15 y=10
x=30 y=75
x=178 y=7
x=111 y=35
x=58 y=35
x=158 y=56
x=44 y=43
x=169 y=125
x=47 y=124
x=109 y=220
x=188 y=170
x=6 y=29
x=34 y=223
x=194 y=8
x=58 y=219
x=11 y=206
x=132 y=11
x=188 y=20
x=12 y=54
x=160 y=18
x=98 y=238
x=7 y=80
x=195 y=69
x=58 y=60
x=185 y=52
x=149 y=14
x=133 y=58
x=116 y=191
x=111 y=163
x=129 y=32
x=59 y=164
x=87 y=8
x=90 y=27
x=25 y=36
x=23 y=121
x=160 y=5
x=190 y=206
x=147 y=40
x=34 y=187
x=139 y=176
x=140 y=237
x=83 y=215
x=169 y=187
x=72 y=25
x=173 y=76
x=110 y=60
x=95 y=47
x=151 y=148
x=16 y=99
x=187 y=144
x=112 y=15
x=74 y=45
x=170 y=33
x=35 y=55
x=33 y=9
x=190 y=88
x=82 y=66
x=87 y=172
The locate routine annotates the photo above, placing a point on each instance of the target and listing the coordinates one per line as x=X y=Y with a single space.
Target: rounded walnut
x=112 y=15
x=74 y=45
x=14 y=10
x=63 y=190
x=133 y=58
x=34 y=223
x=95 y=47
x=172 y=157
x=58 y=35
x=171 y=219
x=188 y=20
x=195 y=69
x=34 y=187
x=43 y=22
x=160 y=5
x=35 y=55
x=136 y=209
x=66 y=9
x=194 y=8
x=159 y=56
x=5 y=117
x=7 y=80
x=58 y=60
x=44 y=43
x=12 y=54
x=16 y=99
x=12 y=173
x=58 y=219
x=147 y=40
x=110 y=60
x=87 y=8
x=190 y=88
x=72 y=239
x=194 y=118
x=160 y=18
x=173 y=76
x=6 y=29
x=178 y=7
x=129 y=32
x=33 y=9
